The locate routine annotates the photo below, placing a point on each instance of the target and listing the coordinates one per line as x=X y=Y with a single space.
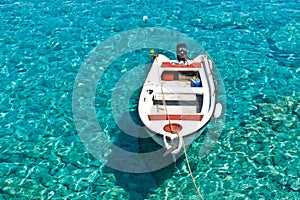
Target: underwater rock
x=9 y=190
x=105 y=182
x=47 y=180
x=279 y=159
x=260 y=159
x=71 y=157
x=7 y=168
x=81 y=186
x=106 y=14
x=293 y=170
x=81 y=163
x=60 y=173
x=67 y=180
x=95 y=163
x=110 y=178
x=63 y=191
x=62 y=151
x=262 y=173
x=71 y=168
x=11 y=182
x=115 y=193
x=21 y=171
x=295 y=185
x=287 y=37
x=29 y=184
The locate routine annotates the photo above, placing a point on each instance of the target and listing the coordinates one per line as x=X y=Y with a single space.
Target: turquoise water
x=254 y=44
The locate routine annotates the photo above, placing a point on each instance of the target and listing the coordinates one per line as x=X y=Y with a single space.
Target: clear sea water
x=255 y=45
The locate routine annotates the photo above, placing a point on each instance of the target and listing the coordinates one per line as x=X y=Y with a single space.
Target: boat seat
x=176 y=97
x=183 y=90
x=160 y=109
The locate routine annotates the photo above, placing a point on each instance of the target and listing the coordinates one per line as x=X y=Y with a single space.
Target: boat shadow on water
x=141 y=185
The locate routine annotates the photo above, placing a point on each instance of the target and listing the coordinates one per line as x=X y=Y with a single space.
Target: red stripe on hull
x=175 y=117
x=170 y=65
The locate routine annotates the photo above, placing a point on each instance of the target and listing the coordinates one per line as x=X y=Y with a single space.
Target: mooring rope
x=186 y=156
x=163 y=97
x=165 y=106
x=190 y=171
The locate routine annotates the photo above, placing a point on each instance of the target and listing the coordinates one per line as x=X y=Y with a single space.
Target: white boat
x=178 y=99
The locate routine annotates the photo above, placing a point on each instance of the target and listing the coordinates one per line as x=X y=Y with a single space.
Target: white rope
x=186 y=156
x=163 y=97
x=191 y=174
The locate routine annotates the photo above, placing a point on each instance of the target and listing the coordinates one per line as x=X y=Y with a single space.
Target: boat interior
x=171 y=75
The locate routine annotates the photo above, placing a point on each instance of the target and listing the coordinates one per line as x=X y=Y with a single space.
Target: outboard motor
x=181 y=52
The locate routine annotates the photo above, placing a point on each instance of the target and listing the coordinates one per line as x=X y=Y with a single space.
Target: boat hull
x=177 y=101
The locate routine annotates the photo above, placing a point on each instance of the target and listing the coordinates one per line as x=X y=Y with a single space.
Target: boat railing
x=211 y=84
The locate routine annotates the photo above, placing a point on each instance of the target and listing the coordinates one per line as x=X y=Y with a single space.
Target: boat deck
x=175 y=96
x=180 y=87
x=161 y=109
